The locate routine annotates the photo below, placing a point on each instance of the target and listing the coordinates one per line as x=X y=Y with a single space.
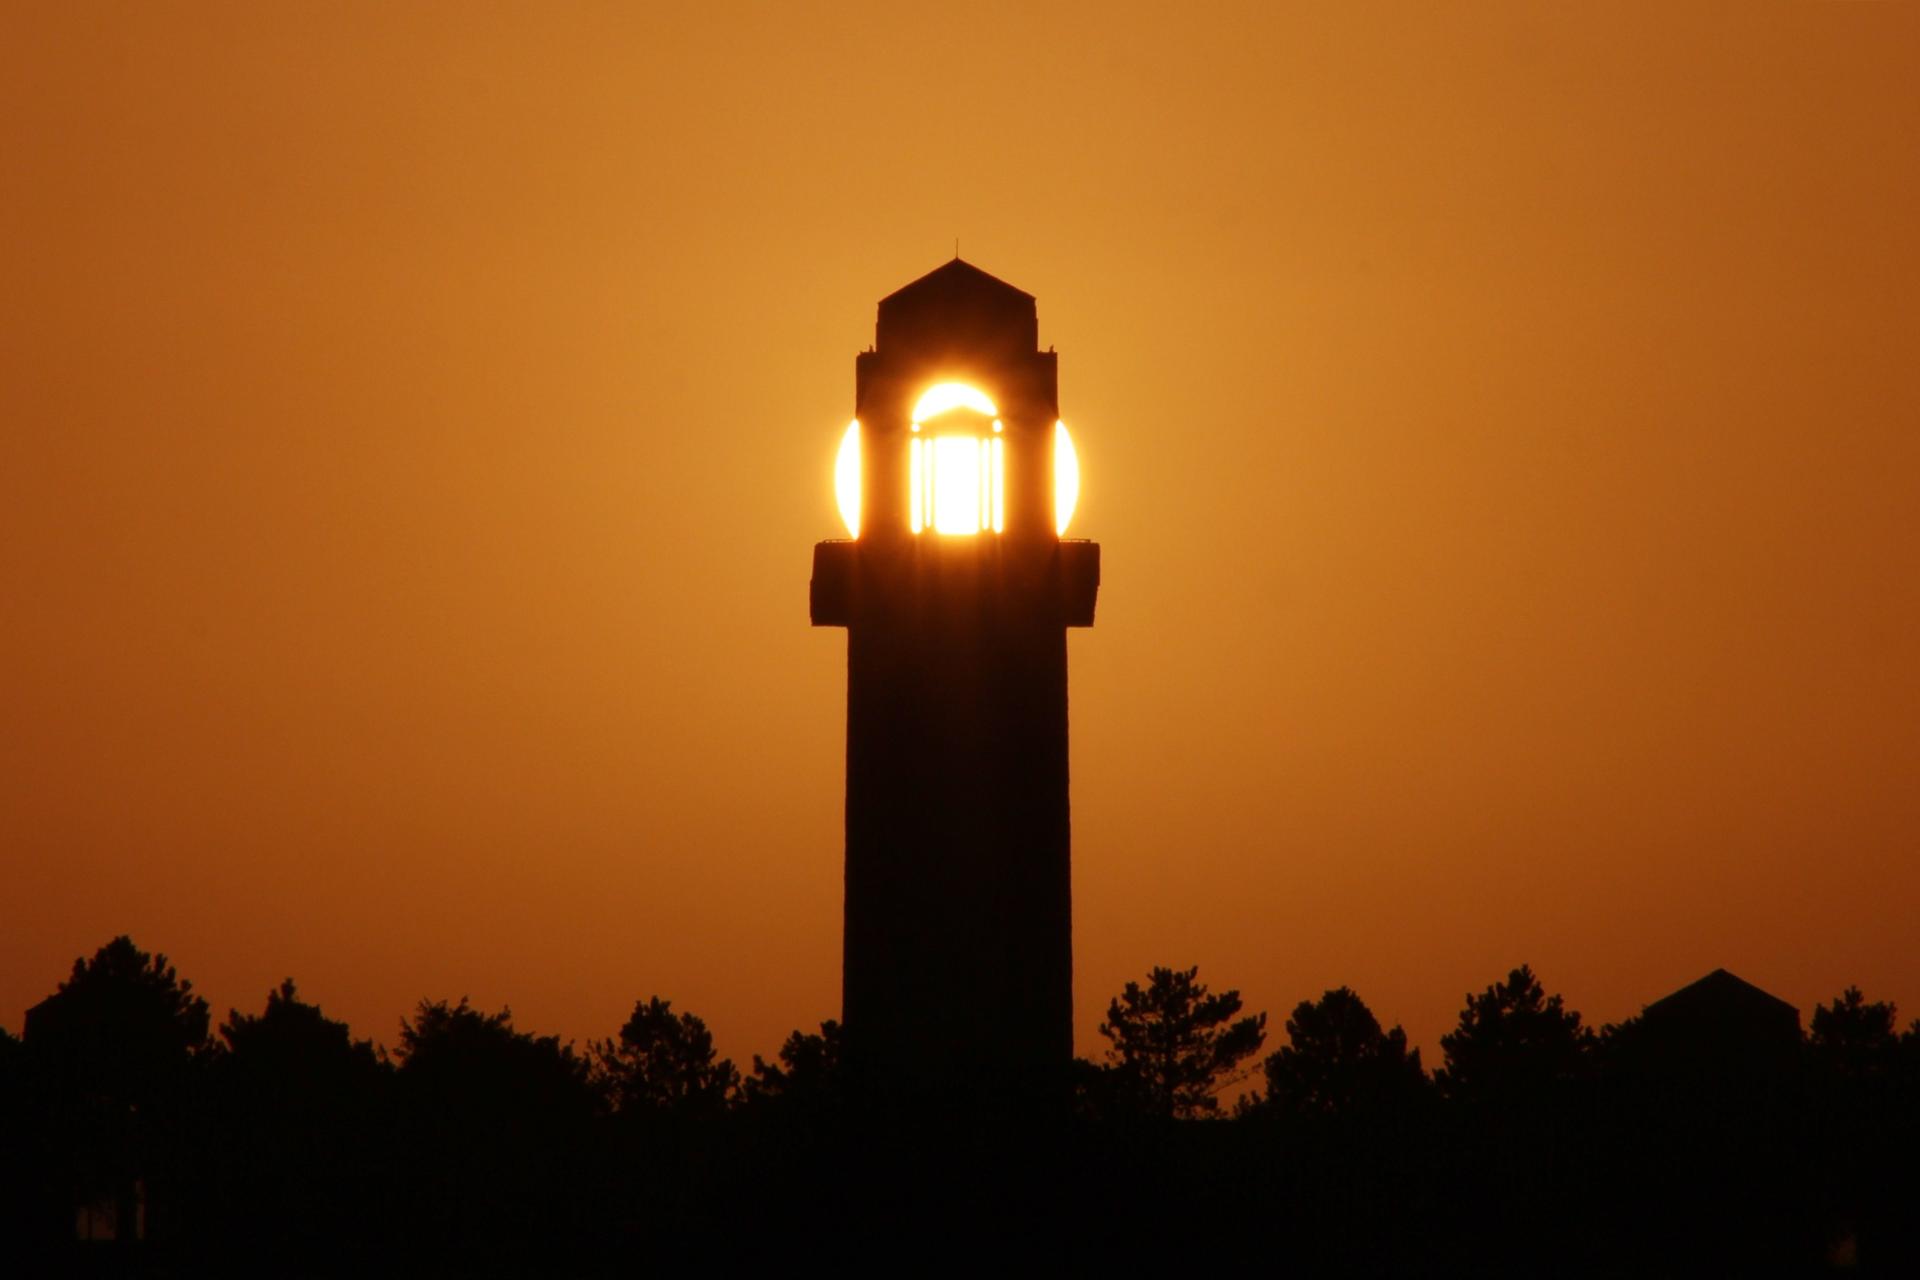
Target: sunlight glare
x=943 y=396
x=956 y=483
x=846 y=479
x=1066 y=478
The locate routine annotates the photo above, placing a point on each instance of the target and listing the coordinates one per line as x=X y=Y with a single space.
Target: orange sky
x=1502 y=427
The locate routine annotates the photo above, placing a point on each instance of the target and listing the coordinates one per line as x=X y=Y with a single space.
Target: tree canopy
x=481 y=1147
x=1513 y=1038
x=1337 y=1060
x=477 y=1065
x=293 y=1040
x=663 y=1062
x=123 y=1025
x=807 y=1070
x=1175 y=1045
x=1854 y=1036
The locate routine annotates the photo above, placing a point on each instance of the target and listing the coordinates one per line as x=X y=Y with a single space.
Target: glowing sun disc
x=846 y=479
x=1066 y=478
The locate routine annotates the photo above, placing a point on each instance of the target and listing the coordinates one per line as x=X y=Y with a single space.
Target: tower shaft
x=958 y=962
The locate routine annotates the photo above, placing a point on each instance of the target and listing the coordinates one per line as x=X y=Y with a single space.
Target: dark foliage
x=1338 y=1062
x=1680 y=1142
x=806 y=1074
x=125 y=1027
x=1175 y=1045
x=494 y=1123
x=1513 y=1044
x=113 y=1059
x=663 y=1062
x=301 y=1111
x=1855 y=1038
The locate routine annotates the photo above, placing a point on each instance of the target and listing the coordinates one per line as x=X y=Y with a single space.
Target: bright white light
x=1066 y=478
x=957 y=480
x=956 y=484
x=943 y=396
x=846 y=479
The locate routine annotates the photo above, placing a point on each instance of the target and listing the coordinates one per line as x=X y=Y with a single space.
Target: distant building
x=1721 y=1026
x=103 y=1188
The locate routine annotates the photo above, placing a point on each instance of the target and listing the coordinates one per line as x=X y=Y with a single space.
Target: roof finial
x=956 y=248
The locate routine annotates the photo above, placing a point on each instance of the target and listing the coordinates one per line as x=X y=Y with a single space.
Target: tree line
x=134 y=1126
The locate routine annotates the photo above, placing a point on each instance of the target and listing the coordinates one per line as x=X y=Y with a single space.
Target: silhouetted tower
x=956 y=479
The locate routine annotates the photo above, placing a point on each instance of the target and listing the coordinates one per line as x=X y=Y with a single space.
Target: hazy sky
x=1502 y=427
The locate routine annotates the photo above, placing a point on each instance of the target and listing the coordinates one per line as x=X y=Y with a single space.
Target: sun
x=956 y=470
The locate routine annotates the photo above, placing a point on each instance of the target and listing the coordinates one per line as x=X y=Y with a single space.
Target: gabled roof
x=957 y=310
x=956 y=277
x=1723 y=990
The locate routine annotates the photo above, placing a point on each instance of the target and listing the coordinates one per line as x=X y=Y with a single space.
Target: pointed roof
x=1721 y=990
x=956 y=277
x=1720 y=1028
x=957 y=307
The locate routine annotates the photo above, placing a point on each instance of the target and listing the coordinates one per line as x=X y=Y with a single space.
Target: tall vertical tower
x=956 y=480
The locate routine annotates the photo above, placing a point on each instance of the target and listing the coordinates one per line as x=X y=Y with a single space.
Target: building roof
x=956 y=277
x=1720 y=990
x=957 y=310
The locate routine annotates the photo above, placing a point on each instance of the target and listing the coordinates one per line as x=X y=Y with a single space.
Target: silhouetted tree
x=1513 y=1041
x=796 y=1126
x=1855 y=1038
x=497 y=1123
x=122 y=1027
x=463 y=1059
x=303 y=1109
x=1174 y=1045
x=1337 y=1060
x=807 y=1071
x=290 y=1146
x=1338 y=1149
x=113 y=1050
x=1866 y=1120
x=1522 y=1127
x=293 y=1044
x=664 y=1062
